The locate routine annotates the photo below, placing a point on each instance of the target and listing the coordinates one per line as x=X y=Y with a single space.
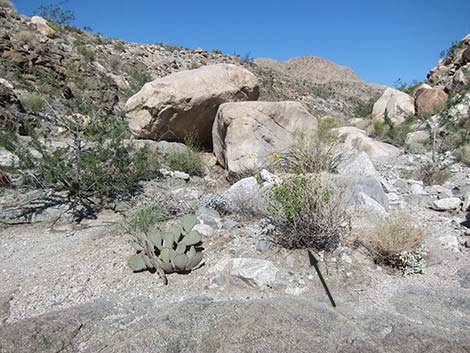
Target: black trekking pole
x=314 y=263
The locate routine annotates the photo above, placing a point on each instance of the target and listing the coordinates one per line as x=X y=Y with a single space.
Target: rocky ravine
x=66 y=286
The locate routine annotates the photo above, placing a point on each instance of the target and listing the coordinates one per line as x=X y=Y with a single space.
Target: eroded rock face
x=430 y=101
x=43 y=27
x=186 y=102
x=246 y=134
x=357 y=139
x=397 y=104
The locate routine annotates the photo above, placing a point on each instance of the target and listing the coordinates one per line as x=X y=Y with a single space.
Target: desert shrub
x=463 y=154
x=307 y=213
x=87 y=52
x=216 y=51
x=25 y=38
x=309 y=154
x=187 y=161
x=7 y=4
x=396 y=240
x=56 y=13
x=325 y=126
x=432 y=174
x=144 y=218
x=136 y=80
x=119 y=46
x=364 y=109
x=387 y=131
x=92 y=171
x=34 y=102
x=115 y=63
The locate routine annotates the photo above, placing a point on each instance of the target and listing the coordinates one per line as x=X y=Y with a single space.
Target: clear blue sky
x=380 y=40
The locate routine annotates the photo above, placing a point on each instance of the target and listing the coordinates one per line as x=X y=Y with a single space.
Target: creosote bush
x=93 y=169
x=396 y=240
x=307 y=213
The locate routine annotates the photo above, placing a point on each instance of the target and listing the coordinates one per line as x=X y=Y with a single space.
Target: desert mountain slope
x=310 y=68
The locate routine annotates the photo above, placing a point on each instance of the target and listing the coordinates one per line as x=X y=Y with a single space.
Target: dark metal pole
x=314 y=263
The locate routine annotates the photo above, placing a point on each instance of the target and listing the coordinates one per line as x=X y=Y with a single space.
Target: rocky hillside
x=310 y=68
x=57 y=69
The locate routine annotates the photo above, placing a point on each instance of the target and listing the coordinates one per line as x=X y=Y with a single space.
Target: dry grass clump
x=432 y=174
x=397 y=241
x=307 y=213
x=463 y=154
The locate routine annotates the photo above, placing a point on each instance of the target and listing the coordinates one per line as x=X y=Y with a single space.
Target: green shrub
x=187 y=161
x=325 y=125
x=87 y=52
x=307 y=213
x=216 y=51
x=364 y=110
x=136 y=79
x=92 y=171
x=387 y=131
x=34 y=102
x=143 y=219
x=119 y=46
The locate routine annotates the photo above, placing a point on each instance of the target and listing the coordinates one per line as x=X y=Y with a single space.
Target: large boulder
x=246 y=134
x=397 y=104
x=43 y=27
x=357 y=139
x=430 y=101
x=186 y=102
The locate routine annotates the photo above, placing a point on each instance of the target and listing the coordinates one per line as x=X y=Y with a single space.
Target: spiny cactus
x=178 y=250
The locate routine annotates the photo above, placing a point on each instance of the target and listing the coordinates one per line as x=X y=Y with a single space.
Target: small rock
x=219 y=280
x=262 y=273
x=181 y=175
x=447 y=204
x=204 y=229
x=467 y=244
x=264 y=246
x=208 y=216
x=393 y=197
x=450 y=242
x=417 y=189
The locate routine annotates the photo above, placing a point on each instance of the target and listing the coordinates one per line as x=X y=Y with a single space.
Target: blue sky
x=380 y=40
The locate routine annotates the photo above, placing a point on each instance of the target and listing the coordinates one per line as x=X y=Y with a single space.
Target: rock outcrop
x=185 y=103
x=357 y=139
x=453 y=71
x=246 y=134
x=43 y=27
x=397 y=104
x=429 y=101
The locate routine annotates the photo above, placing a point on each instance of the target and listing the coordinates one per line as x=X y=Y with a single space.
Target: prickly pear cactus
x=178 y=250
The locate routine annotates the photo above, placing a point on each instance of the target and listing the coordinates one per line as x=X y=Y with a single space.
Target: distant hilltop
x=310 y=68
